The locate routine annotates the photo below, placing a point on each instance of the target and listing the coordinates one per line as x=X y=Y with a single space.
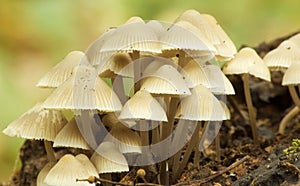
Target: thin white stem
x=284 y=122
x=188 y=152
x=50 y=152
x=294 y=95
x=252 y=115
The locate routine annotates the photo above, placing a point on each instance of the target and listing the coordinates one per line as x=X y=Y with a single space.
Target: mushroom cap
x=283 y=56
x=125 y=139
x=210 y=76
x=292 y=75
x=70 y=136
x=84 y=91
x=37 y=123
x=66 y=171
x=157 y=27
x=185 y=36
x=134 y=35
x=43 y=173
x=61 y=71
x=202 y=105
x=224 y=45
x=152 y=110
x=166 y=80
x=108 y=159
x=116 y=65
x=195 y=18
x=247 y=61
x=87 y=164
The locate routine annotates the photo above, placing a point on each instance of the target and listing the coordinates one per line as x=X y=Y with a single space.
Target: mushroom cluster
x=138 y=94
x=286 y=58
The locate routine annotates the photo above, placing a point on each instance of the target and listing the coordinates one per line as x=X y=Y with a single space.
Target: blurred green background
x=34 y=35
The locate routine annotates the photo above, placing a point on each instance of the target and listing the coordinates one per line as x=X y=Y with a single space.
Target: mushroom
x=134 y=35
x=184 y=38
x=225 y=47
x=248 y=62
x=282 y=56
x=62 y=71
x=39 y=124
x=67 y=171
x=84 y=91
x=70 y=136
x=286 y=58
x=208 y=75
x=207 y=24
x=165 y=81
x=152 y=111
x=292 y=80
x=201 y=105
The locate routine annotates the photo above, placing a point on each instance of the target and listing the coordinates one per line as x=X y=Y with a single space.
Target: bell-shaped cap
x=247 y=61
x=195 y=18
x=166 y=80
x=157 y=27
x=37 y=123
x=117 y=66
x=224 y=45
x=125 y=139
x=62 y=71
x=108 y=159
x=134 y=35
x=87 y=164
x=283 y=56
x=152 y=110
x=84 y=91
x=43 y=173
x=210 y=76
x=292 y=75
x=185 y=36
x=70 y=136
x=66 y=171
x=202 y=105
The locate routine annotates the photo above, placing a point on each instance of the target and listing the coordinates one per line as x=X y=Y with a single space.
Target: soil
x=266 y=164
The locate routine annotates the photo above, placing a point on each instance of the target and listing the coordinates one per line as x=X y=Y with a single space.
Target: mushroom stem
x=49 y=150
x=166 y=131
x=181 y=58
x=155 y=133
x=218 y=148
x=287 y=118
x=137 y=69
x=189 y=149
x=294 y=95
x=144 y=132
x=252 y=116
x=197 y=154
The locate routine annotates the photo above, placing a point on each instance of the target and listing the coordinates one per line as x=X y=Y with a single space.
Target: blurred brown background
x=35 y=35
